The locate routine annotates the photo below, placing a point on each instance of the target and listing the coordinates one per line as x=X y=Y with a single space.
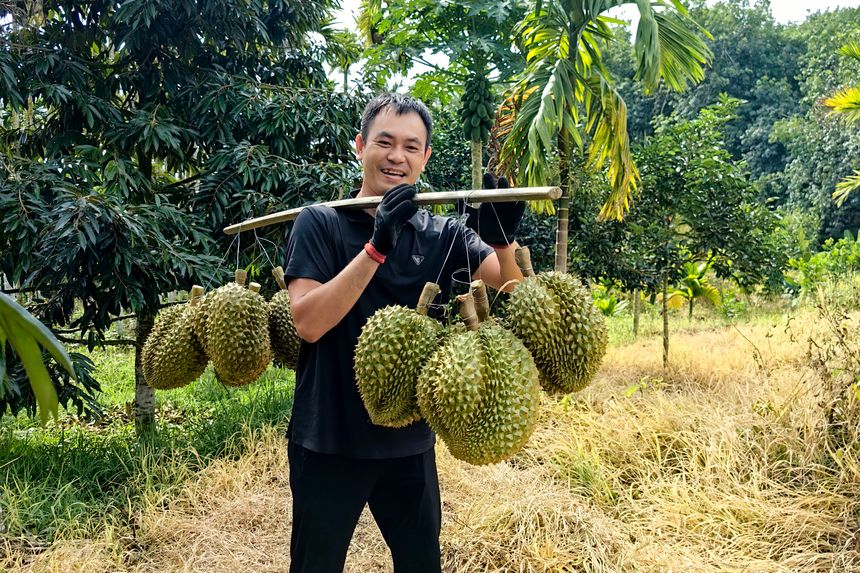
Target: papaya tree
x=566 y=107
x=475 y=38
x=133 y=131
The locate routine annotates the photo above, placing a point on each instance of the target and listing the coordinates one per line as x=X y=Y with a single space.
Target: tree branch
x=82 y=342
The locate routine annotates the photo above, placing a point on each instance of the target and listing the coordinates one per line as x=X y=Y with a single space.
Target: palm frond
x=607 y=113
x=851 y=49
x=846 y=187
x=846 y=102
x=669 y=46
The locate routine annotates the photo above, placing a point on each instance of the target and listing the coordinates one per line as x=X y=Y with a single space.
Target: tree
x=692 y=286
x=566 y=101
x=821 y=151
x=475 y=38
x=847 y=103
x=134 y=130
x=343 y=53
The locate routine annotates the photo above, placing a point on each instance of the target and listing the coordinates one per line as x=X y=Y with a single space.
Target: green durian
x=172 y=356
x=237 y=332
x=480 y=392
x=393 y=345
x=555 y=317
x=284 y=339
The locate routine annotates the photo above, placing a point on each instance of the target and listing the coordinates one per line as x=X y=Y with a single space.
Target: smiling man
x=344 y=265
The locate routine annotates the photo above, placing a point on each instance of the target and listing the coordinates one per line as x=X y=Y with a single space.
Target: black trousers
x=330 y=492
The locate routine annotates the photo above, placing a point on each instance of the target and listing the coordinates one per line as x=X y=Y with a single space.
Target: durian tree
x=473 y=36
x=567 y=106
x=132 y=131
x=701 y=206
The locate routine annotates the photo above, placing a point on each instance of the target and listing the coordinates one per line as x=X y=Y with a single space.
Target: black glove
x=395 y=209
x=496 y=223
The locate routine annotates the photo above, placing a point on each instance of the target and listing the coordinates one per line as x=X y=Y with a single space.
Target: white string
x=223 y=259
x=238 y=247
x=259 y=242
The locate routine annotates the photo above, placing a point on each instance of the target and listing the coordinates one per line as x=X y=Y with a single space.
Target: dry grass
x=715 y=465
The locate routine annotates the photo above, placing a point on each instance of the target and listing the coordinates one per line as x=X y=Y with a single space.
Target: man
x=343 y=265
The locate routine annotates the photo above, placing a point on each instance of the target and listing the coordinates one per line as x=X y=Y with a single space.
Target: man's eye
x=412 y=149
x=383 y=143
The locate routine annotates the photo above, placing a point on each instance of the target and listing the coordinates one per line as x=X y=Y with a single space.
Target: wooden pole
x=438 y=198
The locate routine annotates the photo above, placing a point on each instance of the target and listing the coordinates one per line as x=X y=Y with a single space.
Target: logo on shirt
x=418 y=259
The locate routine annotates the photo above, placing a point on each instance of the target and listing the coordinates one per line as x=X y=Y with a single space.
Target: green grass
x=71 y=478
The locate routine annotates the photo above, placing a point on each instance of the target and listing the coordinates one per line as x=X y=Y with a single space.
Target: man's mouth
x=393 y=173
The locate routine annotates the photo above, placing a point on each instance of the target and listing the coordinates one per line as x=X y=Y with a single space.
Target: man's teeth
x=397 y=173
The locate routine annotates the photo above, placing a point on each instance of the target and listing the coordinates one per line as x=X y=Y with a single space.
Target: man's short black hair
x=400 y=104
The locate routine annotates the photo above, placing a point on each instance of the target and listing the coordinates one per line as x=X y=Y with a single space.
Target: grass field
x=742 y=456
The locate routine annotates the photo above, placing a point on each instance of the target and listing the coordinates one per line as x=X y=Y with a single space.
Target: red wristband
x=373 y=253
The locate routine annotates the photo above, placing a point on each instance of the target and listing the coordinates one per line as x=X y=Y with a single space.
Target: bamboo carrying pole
x=439 y=198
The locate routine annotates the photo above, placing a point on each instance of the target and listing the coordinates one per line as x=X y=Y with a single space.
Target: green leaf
x=19 y=319
x=30 y=355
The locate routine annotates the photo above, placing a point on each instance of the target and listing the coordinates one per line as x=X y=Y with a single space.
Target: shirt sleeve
x=310 y=250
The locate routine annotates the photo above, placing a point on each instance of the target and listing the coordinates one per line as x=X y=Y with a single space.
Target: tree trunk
x=567 y=190
x=144 y=396
x=635 y=312
x=345 y=80
x=477 y=165
x=690 y=313
x=665 y=319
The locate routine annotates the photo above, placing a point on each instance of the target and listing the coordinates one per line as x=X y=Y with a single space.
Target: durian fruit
x=282 y=332
x=198 y=319
x=237 y=332
x=480 y=391
x=393 y=345
x=172 y=356
x=555 y=317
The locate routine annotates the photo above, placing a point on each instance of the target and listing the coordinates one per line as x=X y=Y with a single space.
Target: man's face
x=395 y=151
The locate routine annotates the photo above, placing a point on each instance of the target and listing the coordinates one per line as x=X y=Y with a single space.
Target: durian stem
x=467 y=311
x=431 y=290
x=196 y=293
x=482 y=303
x=254 y=287
x=241 y=276
x=278 y=273
x=524 y=260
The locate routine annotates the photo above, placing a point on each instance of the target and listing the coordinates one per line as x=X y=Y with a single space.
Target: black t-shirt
x=328 y=414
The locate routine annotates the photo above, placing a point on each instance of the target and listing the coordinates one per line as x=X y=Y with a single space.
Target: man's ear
x=359 y=146
x=426 y=157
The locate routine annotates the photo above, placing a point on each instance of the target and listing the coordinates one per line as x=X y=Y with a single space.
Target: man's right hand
x=396 y=208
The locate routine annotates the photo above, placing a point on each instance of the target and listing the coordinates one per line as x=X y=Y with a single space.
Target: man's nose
x=396 y=154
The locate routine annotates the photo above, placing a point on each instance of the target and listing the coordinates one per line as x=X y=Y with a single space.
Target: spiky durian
x=282 y=332
x=480 y=393
x=172 y=356
x=237 y=333
x=393 y=345
x=199 y=317
x=555 y=317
